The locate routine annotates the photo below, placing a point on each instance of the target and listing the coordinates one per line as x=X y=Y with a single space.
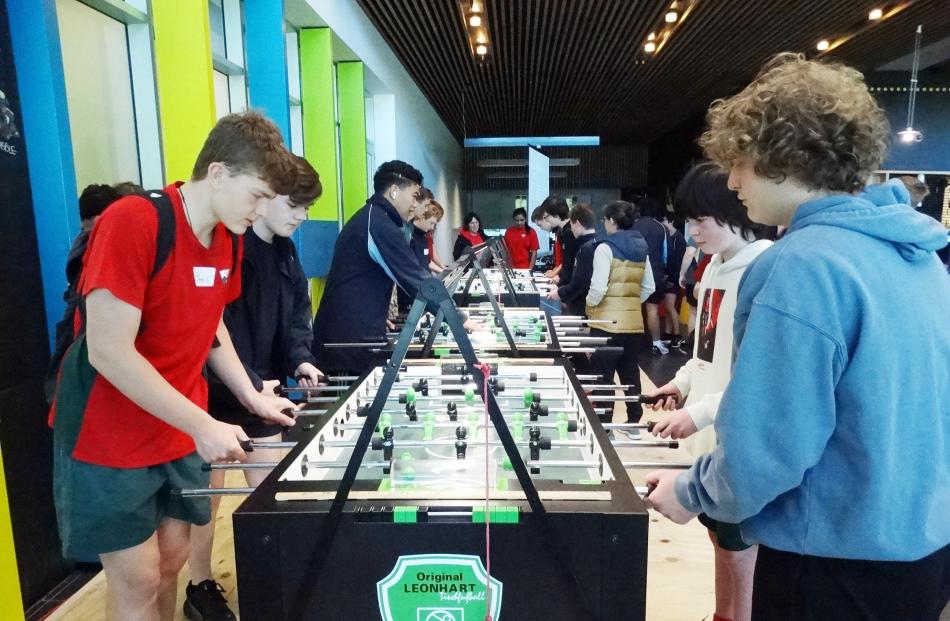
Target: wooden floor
x=679 y=570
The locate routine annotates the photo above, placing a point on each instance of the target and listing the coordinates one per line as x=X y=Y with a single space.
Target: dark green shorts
x=101 y=509
x=728 y=536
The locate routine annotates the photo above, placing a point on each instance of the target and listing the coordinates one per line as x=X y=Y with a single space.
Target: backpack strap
x=165 y=239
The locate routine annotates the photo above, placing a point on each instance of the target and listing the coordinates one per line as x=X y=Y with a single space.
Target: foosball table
x=411 y=538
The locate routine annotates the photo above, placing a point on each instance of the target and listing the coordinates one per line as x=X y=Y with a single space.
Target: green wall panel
x=352 y=135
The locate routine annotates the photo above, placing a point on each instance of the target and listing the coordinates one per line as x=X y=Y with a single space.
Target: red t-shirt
x=558 y=253
x=181 y=307
x=431 y=245
x=520 y=243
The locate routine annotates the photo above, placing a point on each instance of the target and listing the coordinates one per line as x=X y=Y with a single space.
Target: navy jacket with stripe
x=370 y=255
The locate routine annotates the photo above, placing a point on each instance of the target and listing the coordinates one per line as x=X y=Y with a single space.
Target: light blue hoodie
x=834 y=432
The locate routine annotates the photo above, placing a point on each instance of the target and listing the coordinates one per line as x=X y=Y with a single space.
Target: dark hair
x=469 y=217
x=584 y=215
x=649 y=207
x=395 y=172
x=124 y=188
x=425 y=194
x=536 y=214
x=621 y=212
x=704 y=193
x=94 y=199
x=247 y=143
x=306 y=185
x=521 y=211
x=556 y=206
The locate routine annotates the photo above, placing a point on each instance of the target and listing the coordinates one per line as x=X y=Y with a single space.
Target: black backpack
x=164 y=243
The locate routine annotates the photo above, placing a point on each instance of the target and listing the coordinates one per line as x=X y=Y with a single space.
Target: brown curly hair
x=812 y=121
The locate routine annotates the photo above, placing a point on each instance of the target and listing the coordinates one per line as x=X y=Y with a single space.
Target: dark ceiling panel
x=571 y=67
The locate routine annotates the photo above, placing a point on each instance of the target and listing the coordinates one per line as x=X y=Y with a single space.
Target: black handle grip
x=247 y=446
x=649 y=399
x=651 y=425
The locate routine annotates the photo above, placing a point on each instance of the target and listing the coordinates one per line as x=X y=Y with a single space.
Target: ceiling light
x=875 y=14
x=481 y=50
x=910 y=135
x=651 y=36
x=475 y=21
x=480 y=36
x=476 y=6
x=671 y=17
x=650 y=47
x=823 y=45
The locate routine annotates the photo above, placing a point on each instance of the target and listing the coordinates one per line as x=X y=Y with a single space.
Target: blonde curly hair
x=813 y=121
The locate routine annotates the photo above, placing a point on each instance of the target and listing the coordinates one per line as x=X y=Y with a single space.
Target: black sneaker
x=205 y=602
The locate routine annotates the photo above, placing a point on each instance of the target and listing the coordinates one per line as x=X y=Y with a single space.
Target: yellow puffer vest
x=621 y=303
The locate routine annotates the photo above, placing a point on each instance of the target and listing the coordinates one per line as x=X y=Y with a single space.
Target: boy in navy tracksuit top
x=370 y=255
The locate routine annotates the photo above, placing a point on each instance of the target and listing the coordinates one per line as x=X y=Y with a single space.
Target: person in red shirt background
x=470 y=235
x=521 y=240
x=130 y=420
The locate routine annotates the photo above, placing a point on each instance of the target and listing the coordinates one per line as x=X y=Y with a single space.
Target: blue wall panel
x=39 y=66
x=264 y=50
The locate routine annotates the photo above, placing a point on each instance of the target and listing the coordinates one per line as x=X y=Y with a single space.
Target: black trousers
x=624 y=363
x=793 y=587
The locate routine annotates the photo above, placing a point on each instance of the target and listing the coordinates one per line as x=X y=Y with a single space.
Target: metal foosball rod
x=575 y=320
x=270 y=465
x=397 y=444
x=590 y=463
x=645 y=443
x=571 y=425
x=656 y=465
x=219 y=491
x=648 y=425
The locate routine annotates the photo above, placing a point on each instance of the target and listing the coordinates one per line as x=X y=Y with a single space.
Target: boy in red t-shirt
x=129 y=420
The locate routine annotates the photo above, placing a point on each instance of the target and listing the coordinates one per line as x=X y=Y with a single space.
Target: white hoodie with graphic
x=703 y=379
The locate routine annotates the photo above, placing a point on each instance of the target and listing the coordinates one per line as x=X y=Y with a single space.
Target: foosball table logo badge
x=437 y=587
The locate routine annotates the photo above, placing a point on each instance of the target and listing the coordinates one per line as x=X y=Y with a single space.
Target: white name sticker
x=204 y=276
x=225 y=274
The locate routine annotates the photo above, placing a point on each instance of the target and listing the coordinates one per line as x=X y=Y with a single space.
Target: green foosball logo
x=437 y=587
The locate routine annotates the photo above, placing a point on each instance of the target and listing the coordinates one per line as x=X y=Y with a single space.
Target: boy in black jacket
x=270 y=328
x=574 y=292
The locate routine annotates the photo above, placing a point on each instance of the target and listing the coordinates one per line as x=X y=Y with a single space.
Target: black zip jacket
x=574 y=293
x=655 y=234
x=270 y=323
x=370 y=254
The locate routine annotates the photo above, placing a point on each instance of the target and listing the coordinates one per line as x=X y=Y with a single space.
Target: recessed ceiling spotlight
x=481 y=50
x=823 y=45
x=481 y=37
x=476 y=6
x=475 y=21
x=650 y=47
x=671 y=17
x=651 y=36
x=875 y=14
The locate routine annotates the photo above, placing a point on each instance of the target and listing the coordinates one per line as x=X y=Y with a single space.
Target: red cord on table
x=486 y=371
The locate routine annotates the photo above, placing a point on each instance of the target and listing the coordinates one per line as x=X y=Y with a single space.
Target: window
x=227 y=55
x=293 y=89
x=110 y=92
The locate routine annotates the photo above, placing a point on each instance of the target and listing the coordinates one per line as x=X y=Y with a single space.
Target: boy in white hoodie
x=719 y=225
